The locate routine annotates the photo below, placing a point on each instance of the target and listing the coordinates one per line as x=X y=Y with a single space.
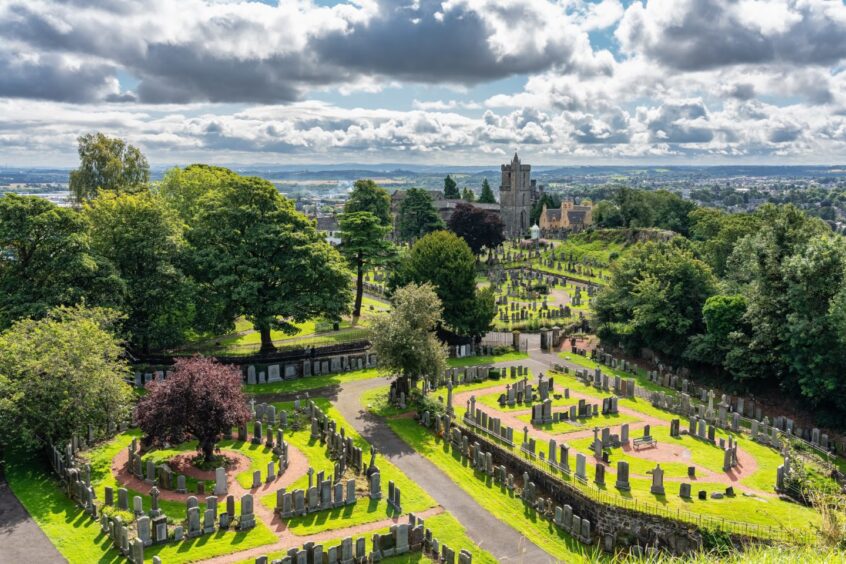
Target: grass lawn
x=311 y=382
x=414 y=499
x=78 y=538
x=475 y=360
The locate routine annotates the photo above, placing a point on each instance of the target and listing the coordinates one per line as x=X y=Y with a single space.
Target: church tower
x=517 y=193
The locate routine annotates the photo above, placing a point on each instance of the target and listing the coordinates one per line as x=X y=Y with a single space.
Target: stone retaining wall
x=612 y=526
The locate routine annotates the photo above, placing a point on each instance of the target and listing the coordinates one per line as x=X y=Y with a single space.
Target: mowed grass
x=478 y=360
x=414 y=499
x=311 y=382
x=78 y=538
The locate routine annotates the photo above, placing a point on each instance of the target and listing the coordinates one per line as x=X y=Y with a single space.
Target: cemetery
x=481 y=426
x=691 y=469
x=295 y=472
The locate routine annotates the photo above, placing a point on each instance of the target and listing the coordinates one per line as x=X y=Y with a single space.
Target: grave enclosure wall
x=271 y=367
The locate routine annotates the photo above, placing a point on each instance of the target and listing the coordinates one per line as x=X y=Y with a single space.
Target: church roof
x=576 y=216
x=553 y=215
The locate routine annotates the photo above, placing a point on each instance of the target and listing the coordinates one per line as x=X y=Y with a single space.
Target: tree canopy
x=186 y=189
x=143 y=240
x=363 y=244
x=256 y=256
x=451 y=188
x=487 y=195
x=480 y=228
x=60 y=374
x=417 y=215
x=367 y=196
x=46 y=260
x=200 y=398
x=107 y=163
x=444 y=259
x=404 y=339
x=640 y=208
x=655 y=298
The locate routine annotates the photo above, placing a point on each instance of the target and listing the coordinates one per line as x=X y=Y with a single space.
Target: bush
x=428 y=403
x=717 y=541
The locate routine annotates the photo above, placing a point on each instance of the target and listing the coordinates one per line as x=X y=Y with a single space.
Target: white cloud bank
x=712 y=80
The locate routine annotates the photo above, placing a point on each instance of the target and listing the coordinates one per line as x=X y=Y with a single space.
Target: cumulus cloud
x=198 y=50
x=705 y=34
x=237 y=81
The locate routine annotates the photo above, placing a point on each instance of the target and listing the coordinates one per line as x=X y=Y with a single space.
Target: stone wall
x=275 y=367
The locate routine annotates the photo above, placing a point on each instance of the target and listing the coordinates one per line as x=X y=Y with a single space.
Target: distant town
x=321 y=190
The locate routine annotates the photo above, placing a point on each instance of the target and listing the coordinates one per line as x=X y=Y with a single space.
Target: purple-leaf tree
x=201 y=398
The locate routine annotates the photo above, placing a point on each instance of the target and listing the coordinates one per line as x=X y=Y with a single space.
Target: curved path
x=502 y=541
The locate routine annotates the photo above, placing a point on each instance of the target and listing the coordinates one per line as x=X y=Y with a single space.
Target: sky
x=468 y=82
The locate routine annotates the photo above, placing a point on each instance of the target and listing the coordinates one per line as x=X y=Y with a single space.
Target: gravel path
x=503 y=542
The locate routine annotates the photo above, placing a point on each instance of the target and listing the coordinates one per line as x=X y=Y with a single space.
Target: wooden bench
x=644 y=441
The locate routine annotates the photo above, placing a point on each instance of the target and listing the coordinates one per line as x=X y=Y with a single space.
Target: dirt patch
x=183 y=464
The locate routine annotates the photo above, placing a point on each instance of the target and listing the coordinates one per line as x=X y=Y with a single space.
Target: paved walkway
x=21 y=540
x=502 y=541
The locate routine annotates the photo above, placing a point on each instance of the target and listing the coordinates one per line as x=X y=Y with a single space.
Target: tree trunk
x=207 y=446
x=266 y=340
x=359 y=289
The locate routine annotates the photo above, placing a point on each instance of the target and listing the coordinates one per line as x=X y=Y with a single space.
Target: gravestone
x=248 y=518
x=219 y=481
x=657 y=481
x=623 y=476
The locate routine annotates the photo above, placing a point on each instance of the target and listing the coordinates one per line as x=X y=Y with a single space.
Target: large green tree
x=46 y=260
x=363 y=244
x=264 y=260
x=655 y=298
x=788 y=282
x=185 y=189
x=60 y=374
x=487 y=195
x=451 y=189
x=367 y=196
x=716 y=233
x=107 y=163
x=417 y=215
x=143 y=239
x=444 y=259
x=404 y=340
x=607 y=214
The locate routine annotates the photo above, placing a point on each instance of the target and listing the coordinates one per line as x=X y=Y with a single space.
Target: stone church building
x=517 y=193
x=570 y=216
